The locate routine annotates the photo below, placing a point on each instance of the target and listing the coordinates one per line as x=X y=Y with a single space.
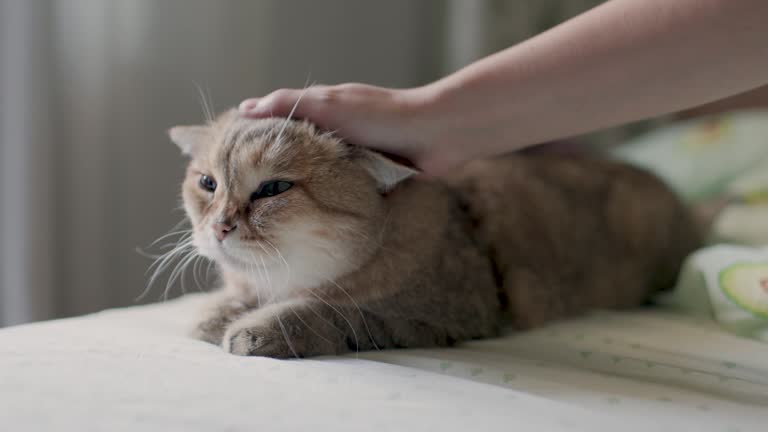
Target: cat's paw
x=210 y=330
x=217 y=318
x=262 y=341
x=283 y=330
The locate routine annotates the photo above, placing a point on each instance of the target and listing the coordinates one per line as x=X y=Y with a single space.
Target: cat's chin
x=237 y=262
x=234 y=264
x=234 y=260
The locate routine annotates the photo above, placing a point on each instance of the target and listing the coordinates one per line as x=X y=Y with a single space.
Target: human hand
x=399 y=122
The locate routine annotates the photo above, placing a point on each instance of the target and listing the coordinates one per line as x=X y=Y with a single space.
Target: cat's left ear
x=190 y=139
x=385 y=171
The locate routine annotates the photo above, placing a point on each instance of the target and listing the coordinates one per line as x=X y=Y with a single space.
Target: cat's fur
x=358 y=255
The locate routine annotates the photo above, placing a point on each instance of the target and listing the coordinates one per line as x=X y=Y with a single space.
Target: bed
x=135 y=369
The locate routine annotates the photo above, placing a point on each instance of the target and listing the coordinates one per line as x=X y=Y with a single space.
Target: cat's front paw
x=283 y=330
x=261 y=341
x=210 y=330
x=216 y=319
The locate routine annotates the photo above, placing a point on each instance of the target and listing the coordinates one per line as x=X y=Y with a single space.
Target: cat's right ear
x=190 y=139
x=384 y=170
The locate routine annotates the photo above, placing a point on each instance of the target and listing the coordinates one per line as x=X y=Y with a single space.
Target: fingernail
x=249 y=105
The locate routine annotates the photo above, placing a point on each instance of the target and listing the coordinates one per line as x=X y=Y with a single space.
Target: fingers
x=320 y=104
x=369 y=116
x=279 y=103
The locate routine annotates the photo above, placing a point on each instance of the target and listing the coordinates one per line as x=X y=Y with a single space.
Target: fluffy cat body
x=326 y=248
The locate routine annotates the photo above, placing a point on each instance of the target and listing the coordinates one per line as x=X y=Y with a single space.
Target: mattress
x=135 y=369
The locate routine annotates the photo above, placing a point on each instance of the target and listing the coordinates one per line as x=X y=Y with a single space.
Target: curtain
x=89 y=87
x=26 y=232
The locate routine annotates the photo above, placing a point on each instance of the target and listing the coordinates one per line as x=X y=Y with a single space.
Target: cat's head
x=275 y=195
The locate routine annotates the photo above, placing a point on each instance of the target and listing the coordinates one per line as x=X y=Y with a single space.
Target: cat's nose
x=220 y=230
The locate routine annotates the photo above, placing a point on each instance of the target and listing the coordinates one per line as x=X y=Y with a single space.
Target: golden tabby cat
x=324 y=247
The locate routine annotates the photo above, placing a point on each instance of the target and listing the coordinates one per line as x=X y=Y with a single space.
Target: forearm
x=756 y=99
x=623 y=61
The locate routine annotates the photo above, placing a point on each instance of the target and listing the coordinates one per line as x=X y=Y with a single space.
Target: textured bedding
x=134 y=369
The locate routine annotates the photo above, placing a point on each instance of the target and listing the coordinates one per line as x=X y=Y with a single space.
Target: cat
x=326 y=248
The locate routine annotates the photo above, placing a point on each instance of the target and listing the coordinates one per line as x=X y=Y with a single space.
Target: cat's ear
x=190 y=139
x=385 y=171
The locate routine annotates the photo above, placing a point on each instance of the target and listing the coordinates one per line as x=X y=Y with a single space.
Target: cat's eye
x=271 y=188
x=207 y=183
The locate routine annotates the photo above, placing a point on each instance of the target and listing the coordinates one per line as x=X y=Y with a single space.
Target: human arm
x=623 y=61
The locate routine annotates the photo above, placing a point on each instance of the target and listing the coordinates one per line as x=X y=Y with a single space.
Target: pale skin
x=623 y=61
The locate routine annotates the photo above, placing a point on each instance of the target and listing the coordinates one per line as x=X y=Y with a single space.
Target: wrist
x=429 y=119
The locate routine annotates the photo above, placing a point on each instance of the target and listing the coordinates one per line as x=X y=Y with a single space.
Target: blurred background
x=89 y=87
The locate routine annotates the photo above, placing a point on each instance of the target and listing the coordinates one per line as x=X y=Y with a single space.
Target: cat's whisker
x=182 y=243
x=197 y=271
x=378 y=241
x=205 y=265
x=307 y=325
x=277 y=315
x=184 y=235
x=288 y=278
x=349 y=323
x=180 y=224
x=185 y=232
x=174 y=229
x=362 y=316
x=182 y=273
x=178 y=272
x=207 y=111
x=293 y=110
x=181 y=264
x=258 y=291
x=285 y=335
x=162 y=262
x=191 y=259
x=166 y=247
x=209 y=100
x=208 y=270
x=308 y=305
x=280 y=255
x=263 y=276
x=250 y=271
x=180 y=276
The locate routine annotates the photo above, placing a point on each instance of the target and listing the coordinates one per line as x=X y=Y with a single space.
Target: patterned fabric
x=730 y=285
x=720 y=165
x=136 y=370
x=707 y=158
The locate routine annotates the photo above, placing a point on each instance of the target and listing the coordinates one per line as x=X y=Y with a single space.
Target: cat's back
x=570 y=233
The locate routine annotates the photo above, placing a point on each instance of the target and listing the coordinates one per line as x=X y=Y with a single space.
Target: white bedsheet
x=134 y=370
